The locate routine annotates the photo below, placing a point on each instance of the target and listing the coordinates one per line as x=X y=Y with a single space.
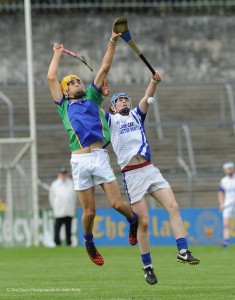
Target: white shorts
x=229 y=211
x=141 y=181
x=91 y=169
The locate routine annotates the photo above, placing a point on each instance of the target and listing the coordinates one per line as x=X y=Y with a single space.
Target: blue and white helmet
x=119 y=95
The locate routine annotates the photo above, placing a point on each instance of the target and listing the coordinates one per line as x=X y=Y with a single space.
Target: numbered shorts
x=141 y=181
x=91 y=169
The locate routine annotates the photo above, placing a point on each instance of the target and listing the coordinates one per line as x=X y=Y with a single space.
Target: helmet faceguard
x=117 y=96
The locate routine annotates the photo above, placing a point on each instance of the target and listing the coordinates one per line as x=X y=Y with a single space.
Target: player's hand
x=221 y=207
x=157 y=76
x=115 y=36
x=58 y=48
x=105 y=88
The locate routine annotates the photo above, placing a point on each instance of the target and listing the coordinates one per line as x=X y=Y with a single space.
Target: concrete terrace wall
x=194 y=48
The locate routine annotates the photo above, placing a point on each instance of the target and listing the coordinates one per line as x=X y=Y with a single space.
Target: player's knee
x=144 y=223
x=90 y=215
x=226 y=225
x=174 y=208
x=117 y=205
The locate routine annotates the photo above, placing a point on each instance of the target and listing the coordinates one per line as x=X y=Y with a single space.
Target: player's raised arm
x=150 y=91
x=52 y=76
x=104 y=90
x=107 y=60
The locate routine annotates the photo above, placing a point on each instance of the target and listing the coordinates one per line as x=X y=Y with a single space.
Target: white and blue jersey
x=127 y=145
x=227 y=186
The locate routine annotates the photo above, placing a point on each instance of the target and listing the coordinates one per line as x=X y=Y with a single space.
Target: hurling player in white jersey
x=140 y=177
x=226 y=197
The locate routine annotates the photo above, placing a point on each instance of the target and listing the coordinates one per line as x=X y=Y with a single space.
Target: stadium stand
x=212 y=138
x=160 y=6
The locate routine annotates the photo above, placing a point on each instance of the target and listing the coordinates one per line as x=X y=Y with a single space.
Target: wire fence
x=154 y=6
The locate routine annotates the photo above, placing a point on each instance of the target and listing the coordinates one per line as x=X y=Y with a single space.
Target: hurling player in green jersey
x=88 y=131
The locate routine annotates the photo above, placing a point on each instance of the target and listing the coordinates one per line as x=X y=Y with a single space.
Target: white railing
x=190 y=169
x=157 y=119
x=9 y=104
x=230 y=97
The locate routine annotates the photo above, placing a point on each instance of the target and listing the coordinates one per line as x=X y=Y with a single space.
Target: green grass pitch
x=67 y=273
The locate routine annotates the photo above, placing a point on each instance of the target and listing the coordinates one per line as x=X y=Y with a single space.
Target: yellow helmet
x=66 y=80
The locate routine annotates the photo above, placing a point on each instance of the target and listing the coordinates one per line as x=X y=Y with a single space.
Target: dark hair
x=111 y=111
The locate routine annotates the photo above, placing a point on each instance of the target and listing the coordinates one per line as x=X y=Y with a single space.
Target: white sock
x=145 y=267
x=182 y=251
